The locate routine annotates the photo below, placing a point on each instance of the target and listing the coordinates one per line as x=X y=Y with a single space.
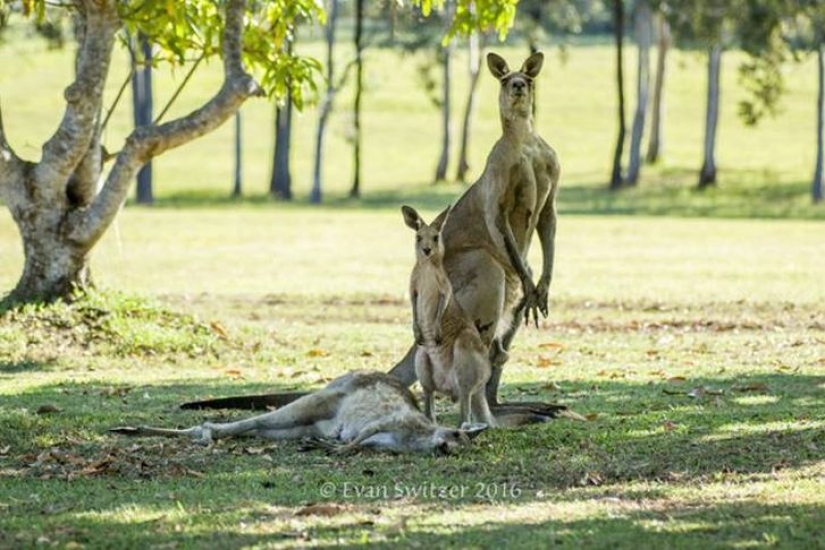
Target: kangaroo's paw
x=498 y=355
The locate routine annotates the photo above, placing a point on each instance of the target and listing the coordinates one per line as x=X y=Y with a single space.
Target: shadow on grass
x=648 y=433
x=25 y=366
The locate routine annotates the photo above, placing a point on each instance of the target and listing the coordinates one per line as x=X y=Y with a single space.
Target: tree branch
x=70 y=143
x=147 y=142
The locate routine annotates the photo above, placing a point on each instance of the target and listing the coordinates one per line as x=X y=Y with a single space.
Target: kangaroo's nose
x=426 y=251
x=519 y=85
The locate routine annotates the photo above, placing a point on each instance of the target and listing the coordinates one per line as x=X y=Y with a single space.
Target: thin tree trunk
x=142 y=98
x=643 y=40
x=237 y=190
x=476 y=48
x=326 y=105
x=817 y=185
x=707 y=176
x=355 y=192
x=446 y=131
x=618 y=18
x=656 y=144
x=280 y=186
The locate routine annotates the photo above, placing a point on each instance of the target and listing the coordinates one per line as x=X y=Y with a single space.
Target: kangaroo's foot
x=528 y=412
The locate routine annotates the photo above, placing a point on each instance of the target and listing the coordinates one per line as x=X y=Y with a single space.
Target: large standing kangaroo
x=487 y=238
x=488 y=233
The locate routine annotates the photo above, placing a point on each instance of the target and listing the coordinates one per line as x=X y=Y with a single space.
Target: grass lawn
x=694 y=347
x=691 y=335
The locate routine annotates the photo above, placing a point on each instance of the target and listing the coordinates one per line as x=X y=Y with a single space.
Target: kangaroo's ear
x=497 y=65
x=439 y=222
x=532 y=66
x=411 y=218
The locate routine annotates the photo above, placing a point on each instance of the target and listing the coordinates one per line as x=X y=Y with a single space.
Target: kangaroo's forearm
x=546 y=229
x=513 y=253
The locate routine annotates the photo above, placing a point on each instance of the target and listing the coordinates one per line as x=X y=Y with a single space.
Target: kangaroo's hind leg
x=297 y=419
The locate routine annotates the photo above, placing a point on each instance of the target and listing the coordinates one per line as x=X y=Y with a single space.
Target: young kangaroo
x=358 y=409
x=451 y=358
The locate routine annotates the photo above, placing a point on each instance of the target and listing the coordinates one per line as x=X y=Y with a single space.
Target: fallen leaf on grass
x=552 y=345
x=544 y=362
x=5 y=450
x=315 y=352
x=591 y=478
x=591 y=417
x=670 y=425
x=327 y=510
x=676 y=379
x=234 y=373
x=219 y=329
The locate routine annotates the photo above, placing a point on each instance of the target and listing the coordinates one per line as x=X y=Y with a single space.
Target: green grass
x=694 y=346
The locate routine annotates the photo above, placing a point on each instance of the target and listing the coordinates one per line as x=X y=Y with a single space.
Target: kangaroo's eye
x=435 y=239
x=418 y=238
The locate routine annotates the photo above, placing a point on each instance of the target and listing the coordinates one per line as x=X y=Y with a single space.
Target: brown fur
x=489 y=231
x=451 y=358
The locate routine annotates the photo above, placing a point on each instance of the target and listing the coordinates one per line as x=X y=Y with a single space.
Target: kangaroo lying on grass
x=360 y=409
x=451 y=358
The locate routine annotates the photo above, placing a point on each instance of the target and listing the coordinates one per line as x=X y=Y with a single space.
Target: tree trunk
x=59 y=224
x=817 y=185
x=656 y=143
x=643 y=40
x=446 y=131
x=280 y=185
x=142 y=101
x=355 y=192
x=237 y=190
x=476 y=48
x=707 y=176
x=326 y=105
x=618 y=19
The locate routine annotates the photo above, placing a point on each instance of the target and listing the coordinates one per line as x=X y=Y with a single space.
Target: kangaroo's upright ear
x=532 y=66
x=411 y=218
x=497 y=65
x=439 y=222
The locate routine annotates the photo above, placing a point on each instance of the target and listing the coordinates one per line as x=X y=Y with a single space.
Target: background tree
x=655 y=144
x=616 y=180
x=55 y=201
x=358 y=39
x=643 y=25
x=237 y=185
x=326 y=103
x=141 y=56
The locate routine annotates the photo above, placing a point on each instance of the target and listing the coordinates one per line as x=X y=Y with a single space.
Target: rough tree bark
x=476 y=49
x=657 y=141
x=54 y=202
x=817 y=187
x=618 y=20
x=707 y=176
x=644 y=19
